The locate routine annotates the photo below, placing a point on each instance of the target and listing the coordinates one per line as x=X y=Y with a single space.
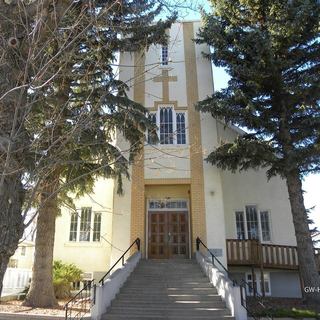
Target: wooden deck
x=253 y=253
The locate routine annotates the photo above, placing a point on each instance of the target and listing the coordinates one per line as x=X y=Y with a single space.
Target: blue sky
x=311 y=183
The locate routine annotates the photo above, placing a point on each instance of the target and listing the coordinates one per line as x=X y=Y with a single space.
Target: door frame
x=167 y=209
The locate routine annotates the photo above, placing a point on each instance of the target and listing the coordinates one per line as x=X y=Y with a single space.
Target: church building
x=173 y=195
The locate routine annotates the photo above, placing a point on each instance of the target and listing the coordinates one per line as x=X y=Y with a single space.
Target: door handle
x=169 y=236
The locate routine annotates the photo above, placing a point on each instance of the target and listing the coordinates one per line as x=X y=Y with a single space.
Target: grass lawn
x=292 y=313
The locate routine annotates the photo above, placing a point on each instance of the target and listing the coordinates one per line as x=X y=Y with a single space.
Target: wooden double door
x=168 y=234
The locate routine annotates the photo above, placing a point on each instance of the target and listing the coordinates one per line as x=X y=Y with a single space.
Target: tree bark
x=41 y=293
x=11 y=222
x=13 y=140
x=306 y=257
x=4 y=259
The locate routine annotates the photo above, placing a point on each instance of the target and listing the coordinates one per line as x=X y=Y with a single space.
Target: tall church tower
x=170 y=197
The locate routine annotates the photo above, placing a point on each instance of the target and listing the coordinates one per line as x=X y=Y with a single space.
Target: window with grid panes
x=181 y=128
x=240 y=225
x=265 y=225
x=85 y=226
x=171 y=126
x=164 y=55
x=96 y=226
x=166 y=126
x=254 y=224
x=73 y=227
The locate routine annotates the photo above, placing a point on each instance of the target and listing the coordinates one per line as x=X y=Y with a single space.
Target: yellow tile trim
x=137 y=176
x=198 y=218
x=173 y=103
x=166 y=181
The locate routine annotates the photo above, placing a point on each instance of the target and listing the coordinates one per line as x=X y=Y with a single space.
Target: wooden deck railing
x=252 y=252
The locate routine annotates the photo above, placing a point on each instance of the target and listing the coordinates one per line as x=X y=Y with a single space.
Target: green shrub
x=63 y=276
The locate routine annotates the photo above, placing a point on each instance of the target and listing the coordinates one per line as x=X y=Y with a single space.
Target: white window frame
x=257 y=277
x=165 y=202
x=174 y=124
x=23 y=251
x=78 y=214
x=243 y=210
x=89 y=210
x=96 y=213
x=269 y=225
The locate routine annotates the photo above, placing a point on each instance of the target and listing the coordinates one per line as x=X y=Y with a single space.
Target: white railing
x=226 y=289
x=15 y=280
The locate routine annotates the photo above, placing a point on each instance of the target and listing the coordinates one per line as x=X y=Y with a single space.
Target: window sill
x=165 y=66
x=168 y=146
x=87 y=244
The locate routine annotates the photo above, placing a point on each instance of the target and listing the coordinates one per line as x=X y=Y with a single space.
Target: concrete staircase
x=167 y=289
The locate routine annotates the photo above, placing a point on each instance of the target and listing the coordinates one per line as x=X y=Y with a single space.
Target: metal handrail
x=86 y=288
x=135 y=242
x=242 y=286
x=91 y=284
x=198 y=242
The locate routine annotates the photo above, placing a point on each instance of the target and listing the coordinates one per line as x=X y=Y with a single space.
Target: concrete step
x=193 y=275
x=170 y=297
x=171 y=278
x=168 y=312
x=135 y=284
x=168 y=289
x=167 y=317
x=168 y=304
x=157 y=274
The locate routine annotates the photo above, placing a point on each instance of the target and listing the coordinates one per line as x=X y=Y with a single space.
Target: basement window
x=258 y=283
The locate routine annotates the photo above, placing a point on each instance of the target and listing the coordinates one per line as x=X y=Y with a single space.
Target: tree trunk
x=41 y=293
x=12 y=194
x=306 y=257
x=11 y=221
x=24 y=32
x=4 y=259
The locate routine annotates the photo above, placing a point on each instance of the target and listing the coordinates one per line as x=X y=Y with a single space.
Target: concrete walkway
x=27 y=316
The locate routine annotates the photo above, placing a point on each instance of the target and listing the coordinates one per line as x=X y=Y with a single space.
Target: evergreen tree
x=70 y=105
x=86 y=105
x=23 y=38
x=271 y=50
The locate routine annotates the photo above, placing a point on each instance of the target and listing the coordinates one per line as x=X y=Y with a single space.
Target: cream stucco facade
x=173 y=172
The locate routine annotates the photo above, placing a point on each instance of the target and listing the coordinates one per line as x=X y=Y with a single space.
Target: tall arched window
x=181 y=128
x=171 y=126
x=166 y=126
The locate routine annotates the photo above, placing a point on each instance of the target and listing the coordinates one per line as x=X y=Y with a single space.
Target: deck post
x=254 y=284
x=261 y=269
